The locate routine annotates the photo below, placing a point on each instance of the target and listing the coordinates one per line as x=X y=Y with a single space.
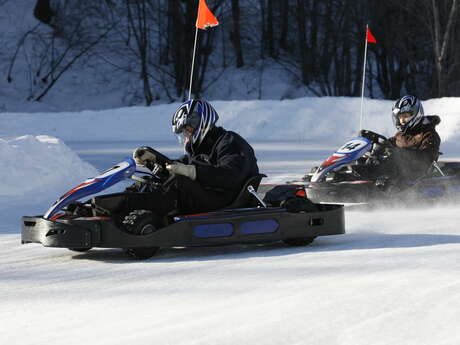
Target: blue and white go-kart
x=336 y=180
x=82 y=225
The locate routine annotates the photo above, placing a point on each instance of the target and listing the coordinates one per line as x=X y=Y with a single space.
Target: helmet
x=198 y=114
x=407 y=105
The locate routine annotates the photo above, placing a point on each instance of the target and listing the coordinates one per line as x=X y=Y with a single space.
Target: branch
x=20 y=44
x=447 y=32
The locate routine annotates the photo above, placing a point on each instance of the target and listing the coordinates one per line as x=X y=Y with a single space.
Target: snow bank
x=327 y=119
x=39 y=164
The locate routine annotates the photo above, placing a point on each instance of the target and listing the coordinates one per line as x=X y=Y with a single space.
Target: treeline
x=319 y=42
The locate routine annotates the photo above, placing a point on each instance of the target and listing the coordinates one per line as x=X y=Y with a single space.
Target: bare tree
x=302 y=41
x=441 y=42
x=235 y=35
x=139 y=26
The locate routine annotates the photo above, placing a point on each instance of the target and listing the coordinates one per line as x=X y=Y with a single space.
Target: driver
x=212 y=172
x=416 y=143
x=415 y=146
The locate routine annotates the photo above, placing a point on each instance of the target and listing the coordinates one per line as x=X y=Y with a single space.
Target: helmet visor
x=402 y=118
x=190 y=120
x=185 y=135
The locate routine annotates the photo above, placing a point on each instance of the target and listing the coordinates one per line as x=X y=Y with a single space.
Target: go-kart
x=80 y=226
x=338 y=178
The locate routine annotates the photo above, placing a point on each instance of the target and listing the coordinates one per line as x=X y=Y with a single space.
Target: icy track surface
x=392 y=279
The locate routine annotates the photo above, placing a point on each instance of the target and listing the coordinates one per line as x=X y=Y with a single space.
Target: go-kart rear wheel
x=299 y=241
x=298 y=204
x=141 y=253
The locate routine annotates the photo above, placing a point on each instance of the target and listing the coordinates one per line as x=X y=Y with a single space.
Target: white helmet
x=407 y=105
x=198 y=114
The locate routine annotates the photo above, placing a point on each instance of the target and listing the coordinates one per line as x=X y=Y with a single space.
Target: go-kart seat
x=244 y=198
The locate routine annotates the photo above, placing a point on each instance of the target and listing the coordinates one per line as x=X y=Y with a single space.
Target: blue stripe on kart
x=213 y=230
x=259 y=227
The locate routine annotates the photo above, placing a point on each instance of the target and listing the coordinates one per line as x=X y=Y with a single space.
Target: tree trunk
x=441 y=43
x=235 y=35
x=140 y=29
x=270 y=32
x=284 y=25
x=302 y=41
x=263 y=36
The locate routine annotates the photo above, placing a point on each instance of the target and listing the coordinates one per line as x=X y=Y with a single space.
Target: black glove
x=145 y=156
x=373 y=137
x=362 y=133
x=377 y=149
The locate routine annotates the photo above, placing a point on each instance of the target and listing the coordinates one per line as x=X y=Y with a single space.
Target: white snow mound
x=39 y=164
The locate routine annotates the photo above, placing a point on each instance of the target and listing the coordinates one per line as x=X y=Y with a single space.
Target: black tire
x=141 y=253
x=141 y=222
x=300 y=241
x=298 y=204
x=295 y=205
x=80 y=250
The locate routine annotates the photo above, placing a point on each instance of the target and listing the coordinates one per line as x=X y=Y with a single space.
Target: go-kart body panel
x=368 y=191
x=250 y=225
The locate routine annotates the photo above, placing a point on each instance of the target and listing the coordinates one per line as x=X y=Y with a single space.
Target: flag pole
x=205 y=19
x=364 y=78
x=193 y=65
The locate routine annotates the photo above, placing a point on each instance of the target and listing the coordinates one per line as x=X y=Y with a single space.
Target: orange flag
x=370 y=38
x=205 y=17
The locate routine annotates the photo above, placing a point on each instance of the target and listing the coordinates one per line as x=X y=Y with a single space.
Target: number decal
x=353 y=145
x=350 y=146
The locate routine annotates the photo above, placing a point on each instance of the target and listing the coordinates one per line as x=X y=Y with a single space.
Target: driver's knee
x=180 y=183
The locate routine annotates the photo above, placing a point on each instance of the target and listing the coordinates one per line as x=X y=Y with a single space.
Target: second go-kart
x=336 y=180
x=80 y=226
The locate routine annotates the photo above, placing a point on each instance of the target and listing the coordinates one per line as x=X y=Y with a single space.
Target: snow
x=39 y=164
x=319 y=120
x=393 y=278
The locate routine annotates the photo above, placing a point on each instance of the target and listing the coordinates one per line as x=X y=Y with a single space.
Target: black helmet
x=410 y=105
x=198 y=114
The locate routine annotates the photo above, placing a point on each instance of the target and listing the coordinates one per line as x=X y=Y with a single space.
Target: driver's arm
x=429 y=147
x=183 y=159
x=227 y=172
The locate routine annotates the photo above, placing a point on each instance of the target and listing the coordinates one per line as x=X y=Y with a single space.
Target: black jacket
x=224 y=161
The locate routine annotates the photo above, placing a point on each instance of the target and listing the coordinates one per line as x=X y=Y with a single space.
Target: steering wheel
x=380 y=145
x=375 y=138
x=161 y=159
x=155 y=172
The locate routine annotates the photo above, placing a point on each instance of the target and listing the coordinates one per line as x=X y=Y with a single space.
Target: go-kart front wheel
x=141 y=253
x=141 y=222
x=300 y=241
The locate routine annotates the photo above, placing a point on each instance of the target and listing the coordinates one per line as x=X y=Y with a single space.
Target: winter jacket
x=224 y=161
x=416 y=149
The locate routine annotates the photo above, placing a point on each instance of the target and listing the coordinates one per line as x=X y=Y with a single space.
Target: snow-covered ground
x=392 y=279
